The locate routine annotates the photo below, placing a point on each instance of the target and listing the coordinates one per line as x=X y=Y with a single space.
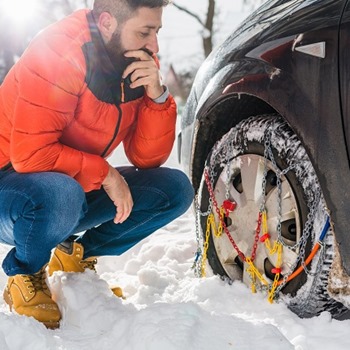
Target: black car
x=265 y=139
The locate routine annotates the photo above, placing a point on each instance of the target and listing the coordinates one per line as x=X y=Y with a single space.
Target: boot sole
x=8 y=301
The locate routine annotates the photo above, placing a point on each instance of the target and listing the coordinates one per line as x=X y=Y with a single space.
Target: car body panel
x=264 y=58
x=344 y=70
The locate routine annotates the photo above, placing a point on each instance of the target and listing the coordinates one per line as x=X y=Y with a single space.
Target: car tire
x=234 y=170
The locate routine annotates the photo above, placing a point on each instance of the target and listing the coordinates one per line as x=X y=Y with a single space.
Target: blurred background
x=191 y=30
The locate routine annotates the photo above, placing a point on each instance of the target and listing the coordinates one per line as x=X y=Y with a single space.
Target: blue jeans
x=40 y=210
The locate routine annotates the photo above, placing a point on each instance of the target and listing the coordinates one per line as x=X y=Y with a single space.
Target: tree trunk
x=208 y=37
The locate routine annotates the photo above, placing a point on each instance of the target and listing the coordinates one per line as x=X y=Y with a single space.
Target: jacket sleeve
x=150 y=142
x=49 y=81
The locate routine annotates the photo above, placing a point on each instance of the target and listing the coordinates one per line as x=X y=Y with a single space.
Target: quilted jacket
x=63 y=108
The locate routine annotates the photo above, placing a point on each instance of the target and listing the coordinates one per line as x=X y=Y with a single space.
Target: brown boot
x=29 y=295
x=68 y=257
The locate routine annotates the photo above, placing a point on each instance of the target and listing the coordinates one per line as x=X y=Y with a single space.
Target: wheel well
x=215 y=123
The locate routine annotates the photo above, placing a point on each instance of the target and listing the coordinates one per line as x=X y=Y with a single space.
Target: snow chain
x=261 y=233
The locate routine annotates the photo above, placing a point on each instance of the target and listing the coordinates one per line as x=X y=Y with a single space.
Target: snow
x=166 y=306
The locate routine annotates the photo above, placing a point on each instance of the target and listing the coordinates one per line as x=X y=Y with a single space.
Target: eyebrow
x=152 y=27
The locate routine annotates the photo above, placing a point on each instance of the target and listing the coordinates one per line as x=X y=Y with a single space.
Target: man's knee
x=178 y=188
x=185 y=192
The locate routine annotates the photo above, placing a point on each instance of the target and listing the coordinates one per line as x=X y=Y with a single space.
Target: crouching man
x=84 y=85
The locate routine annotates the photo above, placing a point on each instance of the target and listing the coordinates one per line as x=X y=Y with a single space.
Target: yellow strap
x=264 y=221
x=210 y=223
x=272 y=250
x=254 y=272
x=272 y=291
x=218 y=231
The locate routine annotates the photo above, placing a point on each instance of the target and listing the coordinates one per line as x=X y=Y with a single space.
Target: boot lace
x=89 y=264
x=36 y=282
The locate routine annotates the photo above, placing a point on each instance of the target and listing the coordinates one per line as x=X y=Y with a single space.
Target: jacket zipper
x=119 y=120
x=115 y=133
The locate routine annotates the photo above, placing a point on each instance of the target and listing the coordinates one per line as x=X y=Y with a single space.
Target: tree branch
x=189 y=13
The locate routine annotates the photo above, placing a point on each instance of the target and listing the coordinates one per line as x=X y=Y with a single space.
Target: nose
x=152 y=44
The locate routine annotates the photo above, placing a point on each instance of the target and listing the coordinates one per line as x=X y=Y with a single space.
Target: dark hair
x=122 y=10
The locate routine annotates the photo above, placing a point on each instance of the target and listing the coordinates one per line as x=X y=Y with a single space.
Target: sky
x=166 y=306
x=180 y=39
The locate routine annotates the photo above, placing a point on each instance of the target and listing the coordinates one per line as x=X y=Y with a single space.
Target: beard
x=115 y=51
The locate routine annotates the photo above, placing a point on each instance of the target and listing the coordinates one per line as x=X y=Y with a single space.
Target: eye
x=144 y=34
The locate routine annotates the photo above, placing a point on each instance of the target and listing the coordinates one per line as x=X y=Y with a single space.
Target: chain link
x=312 y=206
x=210 y=175
x=218 y=212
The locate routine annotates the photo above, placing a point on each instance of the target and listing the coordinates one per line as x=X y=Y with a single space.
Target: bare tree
x=207 y=24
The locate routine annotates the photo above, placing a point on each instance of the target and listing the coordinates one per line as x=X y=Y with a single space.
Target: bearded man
x=83 y=86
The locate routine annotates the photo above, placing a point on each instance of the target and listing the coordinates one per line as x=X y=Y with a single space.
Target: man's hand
x=144 y=72
x=119 y=192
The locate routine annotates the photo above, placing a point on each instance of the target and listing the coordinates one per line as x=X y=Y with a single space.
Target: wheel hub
x=243 y=183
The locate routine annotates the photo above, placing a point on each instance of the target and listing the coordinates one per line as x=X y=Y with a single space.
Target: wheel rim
x=245 y=180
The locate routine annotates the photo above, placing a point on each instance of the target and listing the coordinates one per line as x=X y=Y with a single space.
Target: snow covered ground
x=166 y=306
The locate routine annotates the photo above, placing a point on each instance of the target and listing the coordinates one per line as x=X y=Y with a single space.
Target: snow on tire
x=239 y=169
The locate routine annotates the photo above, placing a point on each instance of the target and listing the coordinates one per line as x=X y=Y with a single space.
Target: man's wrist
x=163 y=97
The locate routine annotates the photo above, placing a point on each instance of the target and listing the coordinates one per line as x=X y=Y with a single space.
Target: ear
x=107 y=24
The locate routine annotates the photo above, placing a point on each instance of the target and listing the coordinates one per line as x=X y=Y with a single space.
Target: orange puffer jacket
x=63 y=109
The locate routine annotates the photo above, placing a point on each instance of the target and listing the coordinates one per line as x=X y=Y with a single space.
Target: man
x=83 y=86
